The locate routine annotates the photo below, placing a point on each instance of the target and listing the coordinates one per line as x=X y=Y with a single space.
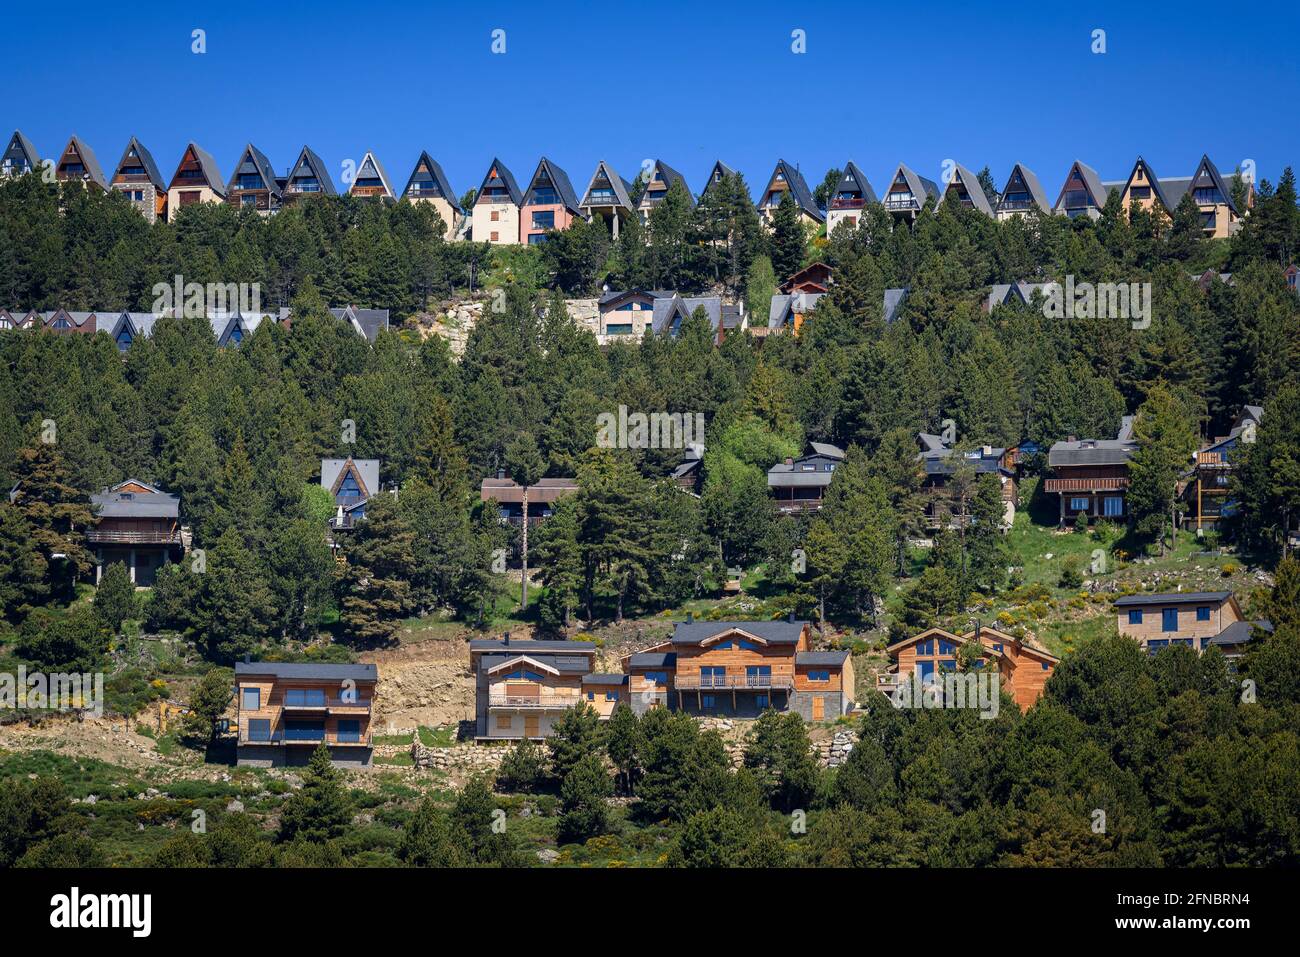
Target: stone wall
x=460 y=757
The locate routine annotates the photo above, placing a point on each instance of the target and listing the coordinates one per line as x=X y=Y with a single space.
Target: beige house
x=1195 y=619
x=196 y=180
x=428 y=184
x=495 y=218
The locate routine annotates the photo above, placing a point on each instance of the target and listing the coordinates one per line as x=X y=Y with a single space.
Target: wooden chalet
x=309 y=176
x=495 y=217
x=1208 y=484
x=813 y=278
x=509 y=497
x=689 y=473
x=1023 y=665
x=786 y=178
x=907 y=194
x=521 y=688
x=799 y=485
x=607 y=198
x=429 y=184
x=1083 y=193
x=1022 y=193
x=1198 y=620
x=19 y=156
x=370 y=181
x=137 y=524
x=849 y=202
x=137 y=177
x=662 y=177
x=196 y=180
x=549 y=204
x=627 y=312
x=253 y=184
x=1091 y=475
x=352 y=483
x=964 y=189
x=285 y=711
x=941 y=462
x=787 y=312
x=77 y=164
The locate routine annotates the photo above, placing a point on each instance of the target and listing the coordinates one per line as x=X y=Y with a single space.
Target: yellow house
x=196 y=180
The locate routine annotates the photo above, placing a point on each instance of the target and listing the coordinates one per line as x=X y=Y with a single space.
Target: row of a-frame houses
x=502 y=213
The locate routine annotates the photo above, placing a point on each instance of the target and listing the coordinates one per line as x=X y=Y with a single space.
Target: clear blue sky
x=685 y=82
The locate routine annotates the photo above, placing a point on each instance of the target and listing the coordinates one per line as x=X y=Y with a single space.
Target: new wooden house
x=852 y=194
x=77 y=164
x=661 y=178
x=137 y=524
x=799 y=485
x=495 y=217
x=1198 y=620
x=370 y=181
x=429 y=184
x=1208 y=483
x=196 y=180
x=813 y=278
x=138 y=178
x=689 y=473
x=1083 y=193
x=549 y=203
x=1022 y=193
x=1091 y=475
x=309 y=176
x=1023 y=665
x=352 y=483
x=253 y=184
x=607 y=198
x=907 y=193
x=964 y=189
x=19 y=156
x=509 y=497
x=786 y=178
x=786 y=313
x=943 y=464
x=285 y=711
x=521 y=688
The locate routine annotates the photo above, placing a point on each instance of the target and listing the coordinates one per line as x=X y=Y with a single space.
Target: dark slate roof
x=308 y=671
x=111 y=503
x=653 y=659
x=799 y=191
x=1156 y=185
x=146 y=160
x=1116 y=451
x=1096 y=188
x=773 y=632
x=209 y=166
x=666 y=309
x=1035 y=188
x=368 y=321
x=833 y=659
x=438 y=175
x=570 y=664
x=562 y=185
x=918 y=184
x=973 y=189
x=1208 y=165
x=942 y=461
x=26 y=146
x=894 y=299
x=527 y=646
x=507 y=179
x=1241 y=632
x=616 y=183
x=718 y=167
x=670 y=175
x=318 y=169
x=612 y=295
x=1174 y=598
x=379 y=171
x=261 y=164
x=854 y=180
x=605 y=678
x=89 y=161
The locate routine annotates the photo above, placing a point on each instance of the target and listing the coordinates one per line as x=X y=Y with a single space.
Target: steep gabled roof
x=1097 y=191
x=146 y=161
x=1206 y=169
x=211 y=174
x=696 y=633
x=1022 y=175
x=309 y=162
x=253 y=160
x=507 y=180
x=368 y=322
x=893 y=302
x=117 y=502
x=560 y=180
x=720 y=171
x=365 y=470
x=619 y=185
x=88 y=160
x=371 y=168
x=23 y=145
x=798 y=189
x=855 y=181
x=971 y=183
x=436 y=174
x=918 y=184
x=1157 y=187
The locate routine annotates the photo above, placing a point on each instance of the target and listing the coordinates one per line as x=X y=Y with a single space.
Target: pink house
x=549 y=203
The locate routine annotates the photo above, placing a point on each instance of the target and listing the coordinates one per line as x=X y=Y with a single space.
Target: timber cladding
x=1023 y=669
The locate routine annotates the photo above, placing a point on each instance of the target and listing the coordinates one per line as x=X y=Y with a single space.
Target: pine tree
x=22 y=566
x=321 y=809
x=789 y=242
x=524 y=464
x=376 y=594
x=584 y=813
x=115 y=600
x=57 y=512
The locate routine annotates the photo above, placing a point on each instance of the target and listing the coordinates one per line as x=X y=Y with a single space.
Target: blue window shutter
x=1170 y=622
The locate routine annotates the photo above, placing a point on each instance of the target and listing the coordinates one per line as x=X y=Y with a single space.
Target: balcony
x=1212 y=460
x=326 y=704
x=1015 y=205
x=551 y=702
x=1086 y=485
x=900 y=201
x=282 y=739
x=848 y=203
x=746 y=682
x=117 y=536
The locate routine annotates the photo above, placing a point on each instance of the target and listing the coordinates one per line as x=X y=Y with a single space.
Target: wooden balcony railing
x=1115 y=484
x=548 y=701
x=114 y=536
x=698 y=682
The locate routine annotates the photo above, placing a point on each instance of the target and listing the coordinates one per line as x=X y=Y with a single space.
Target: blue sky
x=686 y=82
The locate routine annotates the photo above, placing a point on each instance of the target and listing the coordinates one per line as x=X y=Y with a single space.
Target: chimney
x=505 y=637
x=690 y=617
x=501 y=473
x=789 y=461
x=1071 y=438
x=248 y=658
x=790 y=618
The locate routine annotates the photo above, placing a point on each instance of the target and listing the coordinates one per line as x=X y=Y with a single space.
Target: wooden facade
x=137 y=524
x=523 y=687
x=196 y=180
x=253 y=184
x=285 y=711
x=1177 y=618
x=1023 y=667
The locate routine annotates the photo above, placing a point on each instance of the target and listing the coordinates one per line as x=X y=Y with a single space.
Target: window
x=591 y=696
x=503 y=722
x=304 y=731
x=1170 y=620
x=760 y=701
x=1078 y=505
x=1046 y=666
x=927 y=670
x=1113 y=506
x=495 y=235
x=611 y=695
x=349 y=731
x=946 y=647
x=712 y=676
x=657 y=677
x=259 y=729
x=925 y=647
x=758 y=676
x=496 y=216
x=544 y=220
x=1135 y=616
x=819 y=676
x=1203 y=613
x=251 y=700
x=707 y=701
x=305 y=697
